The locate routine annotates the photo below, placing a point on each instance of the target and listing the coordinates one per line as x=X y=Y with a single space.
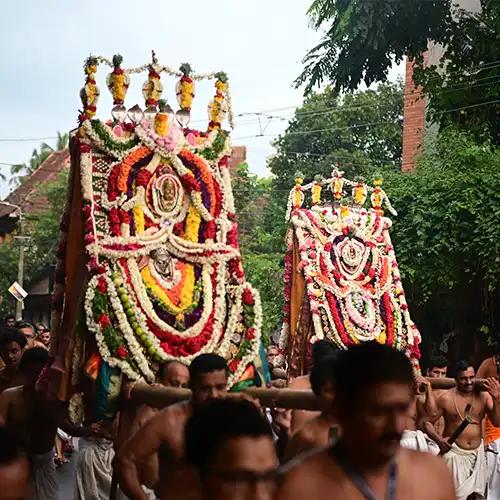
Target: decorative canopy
x=149 y=267
x=342 y=280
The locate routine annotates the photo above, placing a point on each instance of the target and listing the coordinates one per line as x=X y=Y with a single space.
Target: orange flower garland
x=206 y=175
x=127 y=163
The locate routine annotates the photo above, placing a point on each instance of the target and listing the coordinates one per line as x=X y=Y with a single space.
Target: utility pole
x=20 y=267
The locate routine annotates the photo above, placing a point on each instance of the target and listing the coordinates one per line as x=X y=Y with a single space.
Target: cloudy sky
x=259 y=43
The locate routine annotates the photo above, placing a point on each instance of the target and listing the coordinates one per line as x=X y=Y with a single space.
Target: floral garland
x=351 y=276
x=138 y=317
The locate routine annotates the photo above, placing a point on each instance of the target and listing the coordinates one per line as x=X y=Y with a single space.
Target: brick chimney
x=413 y=120
x=238 y=155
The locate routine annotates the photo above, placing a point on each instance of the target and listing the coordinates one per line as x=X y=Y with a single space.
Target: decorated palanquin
x=149 y=267
x=342 y=281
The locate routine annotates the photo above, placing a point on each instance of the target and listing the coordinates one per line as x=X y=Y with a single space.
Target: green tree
x=21 y=171
x=261 y=244
x=447 y=238
x=361 y=131
x=43 y=231
x=363 y=39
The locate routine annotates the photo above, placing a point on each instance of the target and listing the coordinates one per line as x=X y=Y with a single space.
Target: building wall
x=414 y=119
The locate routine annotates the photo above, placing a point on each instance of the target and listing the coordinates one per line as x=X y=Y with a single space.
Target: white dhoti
x=94 y=469
x=149 y=493
x=417 y=440
x=493 y=458
x=469 y=470
x=44 y=478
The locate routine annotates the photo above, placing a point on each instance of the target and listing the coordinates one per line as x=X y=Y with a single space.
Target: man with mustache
x=466 y=457
x=374 y=388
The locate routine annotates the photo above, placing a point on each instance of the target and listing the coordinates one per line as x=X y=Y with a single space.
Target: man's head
x=321 y=378
x=26 y=329
x=437 y=368
x=322 y=349
x=465 y=377
x=208 y=377
x=230 y=444
x=174 y=374
x=373 y=392
x=10 y=321
x=31 y=365
x=12 y=344
x=14 y=466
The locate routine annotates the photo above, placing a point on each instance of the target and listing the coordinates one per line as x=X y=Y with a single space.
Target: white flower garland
x=101 y=343
x=134 y=347
x=145 y=302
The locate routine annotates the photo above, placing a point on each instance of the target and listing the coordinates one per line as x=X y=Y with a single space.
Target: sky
x=259 y=44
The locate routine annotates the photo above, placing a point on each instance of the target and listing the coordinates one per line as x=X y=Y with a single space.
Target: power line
x=30 y=139
x=306 y=132
x=340 y=108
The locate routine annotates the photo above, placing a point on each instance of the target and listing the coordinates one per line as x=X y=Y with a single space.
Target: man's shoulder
x=174 y=413
x=306 y=462
x=423 y=462
x=301 y=383
x=445 y=395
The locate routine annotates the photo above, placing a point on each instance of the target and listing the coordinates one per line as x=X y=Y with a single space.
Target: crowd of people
x=381 y=432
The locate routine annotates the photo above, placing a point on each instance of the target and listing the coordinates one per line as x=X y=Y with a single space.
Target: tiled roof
x=28 y=196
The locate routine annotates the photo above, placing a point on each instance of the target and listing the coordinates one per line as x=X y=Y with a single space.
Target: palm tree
x=21 y=171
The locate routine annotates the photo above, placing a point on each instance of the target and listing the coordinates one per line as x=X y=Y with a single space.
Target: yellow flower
x=382 y=338
x=138 y=220
x=193 y=220
x=161 y=124
x=316 y=194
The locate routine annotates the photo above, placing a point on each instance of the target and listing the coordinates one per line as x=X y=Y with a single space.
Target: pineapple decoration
x=118 y=82
x=377 y=196
x=185 y=91
x=337 y=184
x=152 y=88
x=316 y=189
x=217 y=108
x=359 y=192
x=162 y=118
x=89 y=94
x=298 y=195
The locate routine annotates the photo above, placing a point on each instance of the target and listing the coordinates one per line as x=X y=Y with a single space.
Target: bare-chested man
x=36 y=418
x=437 y=368
x=490 y=367
x=236 y=459
x=15 y=469
x=466 y=457
x=423 y=405
x=317 y=432
x=164 y=434
x=373 y=390
x=12 y=344
x=171 y=374
x=320 y=350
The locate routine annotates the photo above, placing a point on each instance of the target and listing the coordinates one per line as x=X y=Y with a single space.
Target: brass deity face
x=163 y=263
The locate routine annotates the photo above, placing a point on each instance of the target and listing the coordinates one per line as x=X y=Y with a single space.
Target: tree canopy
x=362 y=40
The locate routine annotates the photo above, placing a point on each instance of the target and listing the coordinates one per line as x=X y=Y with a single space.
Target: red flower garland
x=339 y=325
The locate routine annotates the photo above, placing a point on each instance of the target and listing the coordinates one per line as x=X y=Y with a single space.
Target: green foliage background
x=43 y=230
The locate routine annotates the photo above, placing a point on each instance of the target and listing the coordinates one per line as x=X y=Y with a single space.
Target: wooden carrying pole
x=159 y=397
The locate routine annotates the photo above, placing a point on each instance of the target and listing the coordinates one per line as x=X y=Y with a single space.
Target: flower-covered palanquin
x=149 y=267
x=342 y=281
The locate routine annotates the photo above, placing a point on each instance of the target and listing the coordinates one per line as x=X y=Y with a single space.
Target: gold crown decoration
x=338 y=184
x=118 y=82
